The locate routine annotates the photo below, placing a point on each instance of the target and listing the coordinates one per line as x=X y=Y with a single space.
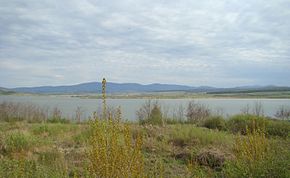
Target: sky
x=221 y=43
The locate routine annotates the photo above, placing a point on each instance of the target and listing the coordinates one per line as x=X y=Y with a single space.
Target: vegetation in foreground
x=178 y=150
x=204 y=145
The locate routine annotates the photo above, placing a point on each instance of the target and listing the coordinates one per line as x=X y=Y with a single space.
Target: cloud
x=220 y=43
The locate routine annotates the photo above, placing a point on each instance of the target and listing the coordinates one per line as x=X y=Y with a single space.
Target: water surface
x=68 y=105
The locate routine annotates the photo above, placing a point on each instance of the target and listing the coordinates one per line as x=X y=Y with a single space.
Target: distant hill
x=95 y=87
x=5 y=91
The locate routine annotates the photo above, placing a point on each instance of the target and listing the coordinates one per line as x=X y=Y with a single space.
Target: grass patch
x=257 y=157
x=17 y=142
x=200 y=136
x=54 y=129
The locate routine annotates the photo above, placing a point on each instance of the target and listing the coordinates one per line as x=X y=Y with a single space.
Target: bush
x=150 y=115
x=155 y=116
x=144 y=111
x=278 y=128
x=196 y=112
x=240 y=123
x=216 y=122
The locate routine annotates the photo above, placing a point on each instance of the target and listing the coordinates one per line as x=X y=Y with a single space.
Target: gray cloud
x=220 y=43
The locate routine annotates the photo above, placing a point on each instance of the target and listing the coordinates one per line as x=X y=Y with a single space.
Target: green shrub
x=278 y=128
x=215 y=122
x=240 y=123
x=155 y=116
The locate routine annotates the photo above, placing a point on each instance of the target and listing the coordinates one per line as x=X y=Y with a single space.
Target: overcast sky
x=220 y=43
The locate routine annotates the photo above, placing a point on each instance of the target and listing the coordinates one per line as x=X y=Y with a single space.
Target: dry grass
x=166 y=151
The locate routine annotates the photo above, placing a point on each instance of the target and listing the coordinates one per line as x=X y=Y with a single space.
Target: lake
x=68 y=105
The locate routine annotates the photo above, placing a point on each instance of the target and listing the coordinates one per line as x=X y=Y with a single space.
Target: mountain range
x=95 y=87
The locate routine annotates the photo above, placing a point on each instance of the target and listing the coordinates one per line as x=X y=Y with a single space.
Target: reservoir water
x=68 y=104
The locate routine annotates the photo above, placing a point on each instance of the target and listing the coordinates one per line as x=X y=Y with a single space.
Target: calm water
x=68 y=105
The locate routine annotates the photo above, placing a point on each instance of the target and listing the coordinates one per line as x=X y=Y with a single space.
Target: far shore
x=172 y=95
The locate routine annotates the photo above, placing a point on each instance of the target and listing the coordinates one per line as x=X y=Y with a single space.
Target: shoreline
x=154 y=96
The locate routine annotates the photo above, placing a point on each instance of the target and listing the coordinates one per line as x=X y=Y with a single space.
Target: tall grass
x=16 y=142
x=10 y=111
x=13 y=112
